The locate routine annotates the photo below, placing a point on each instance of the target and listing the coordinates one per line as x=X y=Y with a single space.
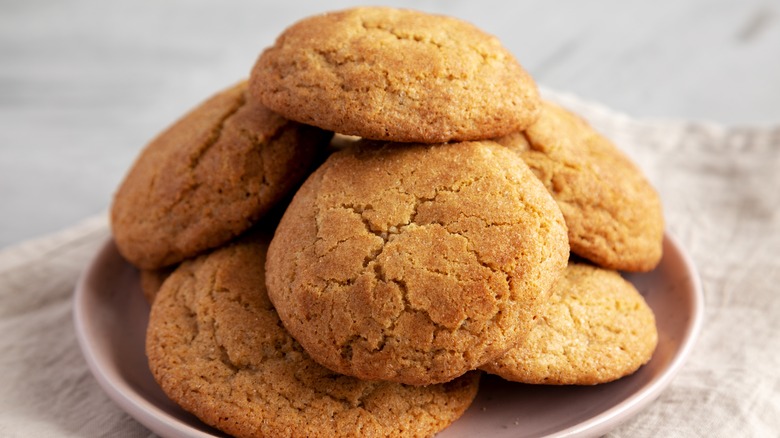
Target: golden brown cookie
x=596 y=328
x=394 y=74
x=413 y=263
x=217 y=348
x=152 y=279
x=613 y=213
x=208 y=178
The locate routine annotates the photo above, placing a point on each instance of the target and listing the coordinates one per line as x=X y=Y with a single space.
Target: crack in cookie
x=216 y=346
x=415 y=263
x=398 y=75
x=614 y=215
x=209 y=177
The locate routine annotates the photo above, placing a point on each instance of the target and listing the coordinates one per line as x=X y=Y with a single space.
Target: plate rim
x=629 y=407
x=138 y=407
x=162 y=423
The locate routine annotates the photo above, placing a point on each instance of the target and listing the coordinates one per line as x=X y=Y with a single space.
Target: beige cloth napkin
x=721 y=192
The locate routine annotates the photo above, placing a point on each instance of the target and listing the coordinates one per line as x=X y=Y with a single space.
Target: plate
x=111 y=315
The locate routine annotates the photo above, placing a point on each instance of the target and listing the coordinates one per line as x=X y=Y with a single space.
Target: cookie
x=217 y=348
x=397 y=75
x=413 y=263
x=613 y=213
x=597 y=328
x=208 y=178
x=152 y=279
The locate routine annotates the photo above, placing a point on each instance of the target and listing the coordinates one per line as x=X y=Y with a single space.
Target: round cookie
x=217 y=348
x=596 y=328
x=614 y=215
x=208 y=178
x=393 y=74
x=413 y=263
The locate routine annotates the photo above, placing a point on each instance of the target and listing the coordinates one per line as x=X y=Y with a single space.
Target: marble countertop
x=84 y=84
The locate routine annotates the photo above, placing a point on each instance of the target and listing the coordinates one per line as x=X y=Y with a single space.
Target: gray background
x=84 y=84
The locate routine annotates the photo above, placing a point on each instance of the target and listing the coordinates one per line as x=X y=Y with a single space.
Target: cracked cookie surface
x=613 y=214
x=597 y=328
x=209 y=177
x=397 y=75
x=415 y=263
x=217 y=347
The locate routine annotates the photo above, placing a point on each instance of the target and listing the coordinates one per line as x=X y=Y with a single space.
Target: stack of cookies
x=385 y=209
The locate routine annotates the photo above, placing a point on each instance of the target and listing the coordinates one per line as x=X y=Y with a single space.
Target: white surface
x=111 y=315
x=84 y=84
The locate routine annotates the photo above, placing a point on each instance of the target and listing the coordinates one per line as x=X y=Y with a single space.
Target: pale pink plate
x=111 y=315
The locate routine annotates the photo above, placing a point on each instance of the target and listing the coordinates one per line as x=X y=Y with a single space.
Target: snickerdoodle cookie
x=596 y=328
x=217 y=348
x=394 y=74
x=208 y=178
x=415 y=263
x=613 y=213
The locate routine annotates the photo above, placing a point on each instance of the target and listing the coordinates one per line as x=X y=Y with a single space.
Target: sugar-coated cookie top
x=395 y=74
x=596 y=328
x=209 y=177
x=216 y=346
x=415 y=263
x=613 y=213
